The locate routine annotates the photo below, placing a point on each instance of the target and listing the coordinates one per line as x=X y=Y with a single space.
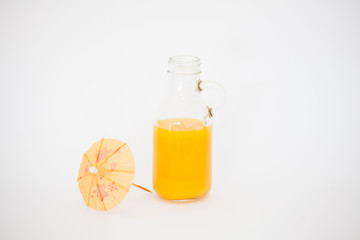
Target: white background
x=286 y=149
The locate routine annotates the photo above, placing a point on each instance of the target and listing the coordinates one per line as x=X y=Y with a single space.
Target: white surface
x=286 y=144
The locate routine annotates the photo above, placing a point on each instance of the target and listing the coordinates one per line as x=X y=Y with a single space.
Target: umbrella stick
x=141 y=188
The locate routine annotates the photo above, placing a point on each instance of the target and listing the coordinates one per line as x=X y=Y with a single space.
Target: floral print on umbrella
x=112 y=187
x=105 y=152
x=113 y=166
x=100 y=192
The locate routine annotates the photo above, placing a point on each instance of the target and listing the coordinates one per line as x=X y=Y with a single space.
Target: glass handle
x=218 y=88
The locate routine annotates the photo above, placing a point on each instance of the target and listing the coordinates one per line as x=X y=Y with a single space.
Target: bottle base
x=176 y=197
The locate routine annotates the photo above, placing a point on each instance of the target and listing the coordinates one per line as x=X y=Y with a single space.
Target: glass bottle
x=183 y=134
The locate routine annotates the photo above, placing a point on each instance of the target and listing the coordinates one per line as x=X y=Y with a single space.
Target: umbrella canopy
x=106 y=174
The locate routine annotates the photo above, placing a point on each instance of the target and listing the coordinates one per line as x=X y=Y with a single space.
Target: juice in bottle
x=182 y=158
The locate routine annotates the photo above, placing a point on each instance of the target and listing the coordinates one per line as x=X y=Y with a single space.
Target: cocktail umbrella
x=106 y=174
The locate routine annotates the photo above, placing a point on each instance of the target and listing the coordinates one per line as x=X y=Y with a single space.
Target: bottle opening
x=184 y=64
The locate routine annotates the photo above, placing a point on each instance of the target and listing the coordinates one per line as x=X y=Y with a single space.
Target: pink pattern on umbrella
x=103 y=192
x=104 y=153
x=113 y=166
x=112 y=187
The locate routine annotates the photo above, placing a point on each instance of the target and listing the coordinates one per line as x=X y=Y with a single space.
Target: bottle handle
x=219 y=89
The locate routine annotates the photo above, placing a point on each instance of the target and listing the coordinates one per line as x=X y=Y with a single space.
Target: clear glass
x=183 y=135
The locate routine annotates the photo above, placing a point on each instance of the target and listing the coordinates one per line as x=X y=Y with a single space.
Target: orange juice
x=182 y=158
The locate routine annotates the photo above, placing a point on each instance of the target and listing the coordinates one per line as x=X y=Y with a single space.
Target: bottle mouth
x=184 y=64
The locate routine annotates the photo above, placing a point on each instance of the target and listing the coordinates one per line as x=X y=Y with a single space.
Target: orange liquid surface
x=182 y=158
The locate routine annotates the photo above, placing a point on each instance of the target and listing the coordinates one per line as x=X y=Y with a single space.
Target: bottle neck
x=178 y=83
x=184 y=65
x=184 y=73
